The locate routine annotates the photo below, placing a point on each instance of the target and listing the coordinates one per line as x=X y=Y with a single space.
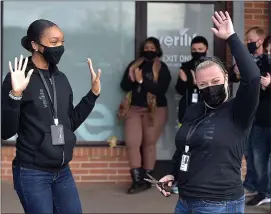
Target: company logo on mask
x=183 y=39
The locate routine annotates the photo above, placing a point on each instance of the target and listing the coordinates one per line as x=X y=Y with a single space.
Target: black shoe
x=258 y=200
x=139 y=184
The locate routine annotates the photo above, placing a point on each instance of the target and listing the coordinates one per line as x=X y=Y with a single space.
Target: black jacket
x=32 y=117
x=186 y=89
x=139 y=97
x=217 y=143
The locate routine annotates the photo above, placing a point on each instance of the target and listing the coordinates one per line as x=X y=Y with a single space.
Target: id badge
x=185 y=161
x=195 y=96
x=57 y=133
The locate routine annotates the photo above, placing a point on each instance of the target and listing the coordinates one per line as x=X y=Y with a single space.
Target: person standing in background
x=144 y=110
x=186 y=84
x=260 y=135
x=255 y=37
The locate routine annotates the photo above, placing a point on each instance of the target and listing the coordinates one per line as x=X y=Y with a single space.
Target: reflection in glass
x=176 y=24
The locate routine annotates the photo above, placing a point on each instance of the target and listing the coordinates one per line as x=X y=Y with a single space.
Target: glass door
x=175 y=25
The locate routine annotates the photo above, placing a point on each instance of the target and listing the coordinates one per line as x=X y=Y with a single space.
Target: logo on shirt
x=43 y=98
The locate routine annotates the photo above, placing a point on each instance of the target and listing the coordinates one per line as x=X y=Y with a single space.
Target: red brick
x=103 y=171
x=124 y=171
x=253 y=11
x=119 y=165
x=251 y=23
x=248 y=4
x=260 y=4
x=262 y=17
x=80 y=171
x=105 y=158
x=79 y=159
x=94 y=165
x=93 y=177
x=119 y=177
x=248 y=16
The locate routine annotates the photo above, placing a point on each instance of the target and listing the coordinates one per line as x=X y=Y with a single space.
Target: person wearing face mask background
x=37 y=105
x=255 y=37
x=186 y=85
x=144 y=110
x=260 y=135
x=210 y=142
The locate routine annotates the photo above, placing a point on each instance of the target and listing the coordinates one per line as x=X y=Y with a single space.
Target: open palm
x=95 y=79
x=19 y=80
x=224 y=27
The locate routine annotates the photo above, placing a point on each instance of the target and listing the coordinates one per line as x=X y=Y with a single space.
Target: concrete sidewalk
x=109 y=198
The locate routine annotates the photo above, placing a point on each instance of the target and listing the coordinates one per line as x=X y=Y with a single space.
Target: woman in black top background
x=186 y=85
x=144 y=110
x=210 y=142
x=37 y=105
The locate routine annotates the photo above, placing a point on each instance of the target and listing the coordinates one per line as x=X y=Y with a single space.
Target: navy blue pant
x=45 y=192
x=207 y=206
x=261 y=148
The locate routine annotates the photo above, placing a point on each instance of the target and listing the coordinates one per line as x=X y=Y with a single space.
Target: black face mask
x=53 y=54
x=252 y=47
x=214 y=95
x=149 y=55
x=198 y=55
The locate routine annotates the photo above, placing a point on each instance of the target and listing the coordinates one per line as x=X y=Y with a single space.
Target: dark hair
x=266 y=42
x=34 y=32
x=199 y=39
x=156 y=43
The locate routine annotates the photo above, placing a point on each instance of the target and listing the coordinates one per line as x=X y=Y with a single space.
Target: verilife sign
x=176 y=46
x=182 y=39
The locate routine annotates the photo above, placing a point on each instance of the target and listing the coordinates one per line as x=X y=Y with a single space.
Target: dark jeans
x=45 y=192
x=261 y=145
x=250 y=182
x=207 y=206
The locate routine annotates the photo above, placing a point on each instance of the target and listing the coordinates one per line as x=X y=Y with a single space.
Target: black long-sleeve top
x=31 y=118
x=186 y=89
x=139 y=91
x=217 y=143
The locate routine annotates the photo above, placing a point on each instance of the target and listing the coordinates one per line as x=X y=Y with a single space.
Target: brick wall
x=89 y=164
x=256 y=14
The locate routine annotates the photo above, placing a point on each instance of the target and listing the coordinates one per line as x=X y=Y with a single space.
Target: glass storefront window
x=175 y=25
x=101 y=30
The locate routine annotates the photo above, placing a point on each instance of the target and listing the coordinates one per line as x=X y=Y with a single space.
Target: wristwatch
x=14 y=97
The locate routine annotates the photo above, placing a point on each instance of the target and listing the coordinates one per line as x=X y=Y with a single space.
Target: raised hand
x=224 y=27
x=95 y=79
x=19 y=80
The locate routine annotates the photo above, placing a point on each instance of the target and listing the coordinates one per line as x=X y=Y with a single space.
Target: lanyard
x=53 y=102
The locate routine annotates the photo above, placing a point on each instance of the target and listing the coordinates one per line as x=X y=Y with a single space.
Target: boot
x=138 y=184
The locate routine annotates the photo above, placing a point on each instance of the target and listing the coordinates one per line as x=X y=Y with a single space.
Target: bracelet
x=140 y=82
x=14 y=97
